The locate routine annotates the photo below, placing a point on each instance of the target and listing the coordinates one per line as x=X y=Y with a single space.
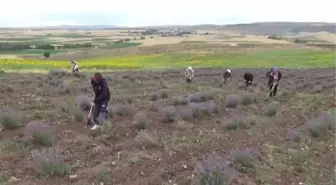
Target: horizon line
x=158 y=25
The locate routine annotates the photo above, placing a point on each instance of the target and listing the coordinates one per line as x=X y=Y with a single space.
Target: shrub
x=147 y=139
x=169 y=114
x=39 y=133
x=55 y=82
x=57 y=72
x=317 y=126
x=159 y=95
x=63 y=88
x=78 y=114
x=46 y=54
x=140 y=120
x=214 y=170
x=231 y=101
x=186 y=113
x=9 y=119
x=200 y=97
x=318 y=89
x=203 y=108
x=180 y=100
x=122 y=109
x=208 y=107
x=236 y=123
x=125 y=100
x=195 y=110
x=294 y=135
x=49 y=162
x=246 y=99
x=83 y=102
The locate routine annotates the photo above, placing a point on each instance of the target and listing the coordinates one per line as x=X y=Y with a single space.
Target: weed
x=246 y=99
x=9 y=119
x=140 y=120
x=12 y=146
x=103 y=174
x=78 y=114
x=4 y=177
x=147 y=139
x=39 y=133
x=244 y=159
x=236 y=123
x=49 y=162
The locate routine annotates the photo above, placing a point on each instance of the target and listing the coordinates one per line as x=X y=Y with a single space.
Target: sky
x=19 y=13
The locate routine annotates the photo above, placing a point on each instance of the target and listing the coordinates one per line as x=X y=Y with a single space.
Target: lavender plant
x=39 y=133
x=231 y=101
x=9 y=119
x=214 y=170
x=169 y=114
x=49 y=162
x=83 y=102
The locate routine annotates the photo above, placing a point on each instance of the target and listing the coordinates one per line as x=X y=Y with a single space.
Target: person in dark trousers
x=274 y=77
x=227 y=74
x=189 y=74
x=102 y=96
x=74 y=66
x=248 y=77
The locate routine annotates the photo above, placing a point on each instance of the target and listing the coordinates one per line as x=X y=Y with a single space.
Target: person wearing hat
x=102 y=96
x=274 y=77
x=189 y=74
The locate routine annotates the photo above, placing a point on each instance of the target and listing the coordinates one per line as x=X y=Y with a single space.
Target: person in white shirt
x=74 y=66
x=189 y=74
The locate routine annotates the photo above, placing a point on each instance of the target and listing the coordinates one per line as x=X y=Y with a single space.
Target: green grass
x=122 y=45
x=31 y=51
x=265 y=59
x=71 y=35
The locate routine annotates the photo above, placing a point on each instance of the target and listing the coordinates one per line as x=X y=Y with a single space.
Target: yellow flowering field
x=265 y=59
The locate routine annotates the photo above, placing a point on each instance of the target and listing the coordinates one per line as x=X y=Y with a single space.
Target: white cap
x=189 y=67
x=228 y=70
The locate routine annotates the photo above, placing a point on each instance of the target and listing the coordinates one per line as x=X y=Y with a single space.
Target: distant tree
x=142 y=38
x=46 y=54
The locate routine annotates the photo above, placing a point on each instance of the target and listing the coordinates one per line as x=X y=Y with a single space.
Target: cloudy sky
x=156 y=12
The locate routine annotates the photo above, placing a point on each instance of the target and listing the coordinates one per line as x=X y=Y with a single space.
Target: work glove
x=92 y=104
